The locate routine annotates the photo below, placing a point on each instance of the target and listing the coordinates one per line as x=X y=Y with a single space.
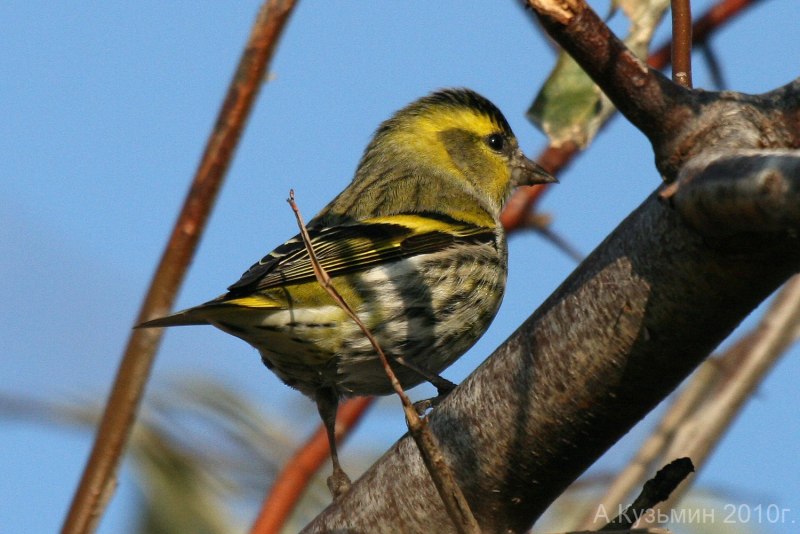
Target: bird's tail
x=211 y=312
x=181 y=318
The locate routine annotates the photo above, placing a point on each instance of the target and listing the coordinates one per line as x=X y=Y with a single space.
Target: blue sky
x=105 y=109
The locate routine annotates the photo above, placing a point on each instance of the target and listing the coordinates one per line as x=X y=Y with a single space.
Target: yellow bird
x=413 y=244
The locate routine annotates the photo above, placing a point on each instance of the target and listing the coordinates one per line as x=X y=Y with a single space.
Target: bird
x=413 y=244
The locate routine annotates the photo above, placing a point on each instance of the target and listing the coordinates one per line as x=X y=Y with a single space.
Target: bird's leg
x=327 y=403
x=442 y=385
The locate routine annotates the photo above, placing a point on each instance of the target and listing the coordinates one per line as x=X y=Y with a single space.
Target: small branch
x=682 y=42
x=714 y=67
x=99 y=477
x=750 y=191
x=562 y=244
x=719 y=14
x=454 y=501
x=656 y=490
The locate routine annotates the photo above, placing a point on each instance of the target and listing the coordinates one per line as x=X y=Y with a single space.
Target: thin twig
x=704 y=27
x=99 y=477
x=655 y=490
x=561 y=243
x=714 y=67
x=682 y=42
x=454 y=500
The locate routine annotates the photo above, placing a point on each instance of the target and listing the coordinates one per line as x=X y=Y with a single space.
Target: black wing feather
x=350 y=248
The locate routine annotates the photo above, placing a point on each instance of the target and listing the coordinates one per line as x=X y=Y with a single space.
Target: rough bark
x=621 y=332
x=633 y=320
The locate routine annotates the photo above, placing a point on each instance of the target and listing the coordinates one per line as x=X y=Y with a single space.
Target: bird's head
x=449 y=151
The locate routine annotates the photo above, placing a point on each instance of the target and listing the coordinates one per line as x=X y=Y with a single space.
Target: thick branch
x=752 y=191
x=621 y=332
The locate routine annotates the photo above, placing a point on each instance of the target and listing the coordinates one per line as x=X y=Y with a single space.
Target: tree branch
x=623 y=330
x=556 y=159
x=682 y=42
x=752 y=191
x=642 y=94
x=99 y=477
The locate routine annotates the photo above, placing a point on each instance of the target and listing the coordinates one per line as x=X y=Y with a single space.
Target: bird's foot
x=339 y=483
x=444 y=388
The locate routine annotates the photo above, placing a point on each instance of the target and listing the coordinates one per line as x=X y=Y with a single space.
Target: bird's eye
x=496 y=142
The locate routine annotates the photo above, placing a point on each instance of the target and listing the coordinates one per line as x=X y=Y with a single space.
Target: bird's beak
x=525 y=171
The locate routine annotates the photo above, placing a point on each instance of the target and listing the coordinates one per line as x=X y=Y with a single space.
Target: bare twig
x=99 y=478
x=655 y=490
x=560 y=242
x=714 y=67
x=682 y=42
x=443 y=478
x=705 y=26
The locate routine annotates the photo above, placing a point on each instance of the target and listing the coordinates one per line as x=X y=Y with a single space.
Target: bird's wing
x=354 y=247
